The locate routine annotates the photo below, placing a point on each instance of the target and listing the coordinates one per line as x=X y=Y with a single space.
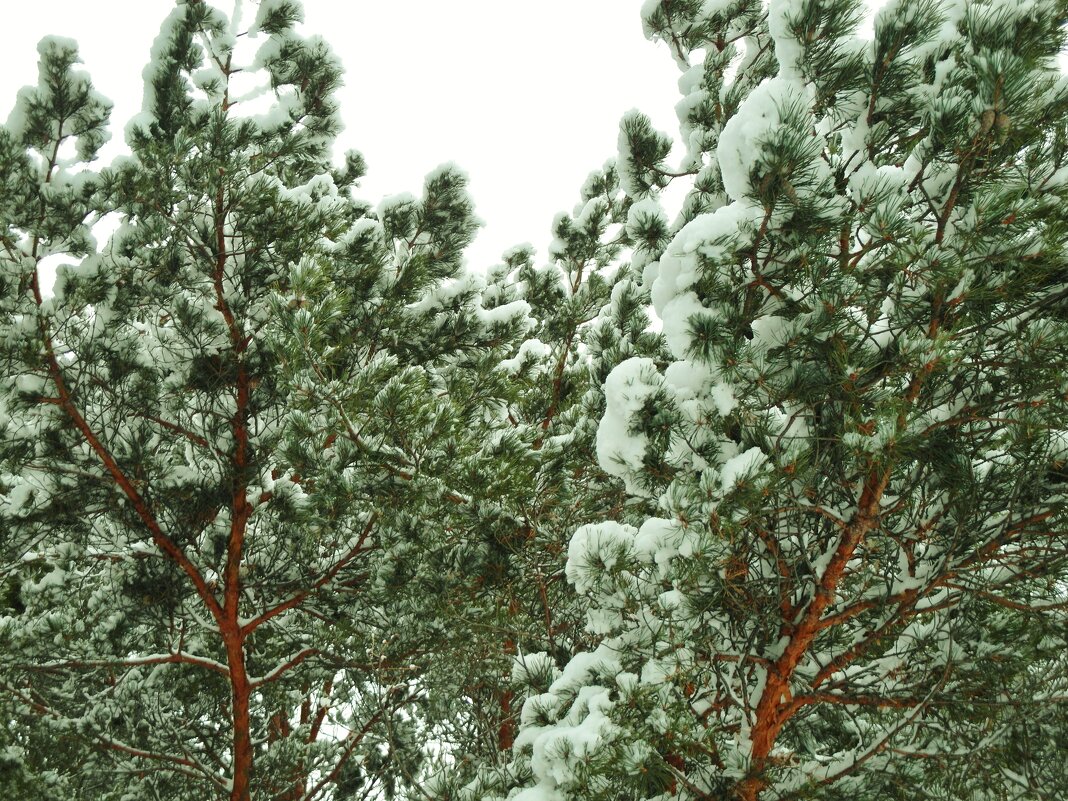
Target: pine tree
x=586 y=315
x=233 y=436
x=854 y=582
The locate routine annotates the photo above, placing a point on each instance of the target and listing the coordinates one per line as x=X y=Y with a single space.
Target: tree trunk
x=506 y=729
x=240 y=690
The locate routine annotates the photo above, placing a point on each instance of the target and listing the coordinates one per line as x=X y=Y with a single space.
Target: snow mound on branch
x=788 y=51
x=658 y=541
x=704 y=243
x=567 y=740
x=268 y=8
x=713 y=236
x=530 y=670
x=530 y=353
x=739 y=468
x=595 y=549
x=740 y=149
x=621 y=450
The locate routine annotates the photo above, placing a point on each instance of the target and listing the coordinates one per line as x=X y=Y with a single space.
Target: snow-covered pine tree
x=855 y=585
x=587 y=315
x=231 y=435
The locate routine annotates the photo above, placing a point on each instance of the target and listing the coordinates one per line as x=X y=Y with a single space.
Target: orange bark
x=230 y=628
x=776 y=703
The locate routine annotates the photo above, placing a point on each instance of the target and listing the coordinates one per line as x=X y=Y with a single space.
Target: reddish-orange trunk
x=506 y=731
x=240 y=691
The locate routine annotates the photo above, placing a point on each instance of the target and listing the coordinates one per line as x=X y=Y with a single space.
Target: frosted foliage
x=788 y=50
x=740 y=152
x=658 y=541
x=710 y=8
x=84 y=125
x=157 y=65
x=696 y=391
x=644 y=212
x=251 y=392
x=531 y=353
x=596 y=549
x=849 y=460
x=569 y=726
x=516 y=312
x=530 y=670
x=267 y=8
x=827 y=397
x=952 y=13
x=393 y=203
x=707 y=238
x=559 y=752
x=620 y=449
x=741 y=467
x=627 y=178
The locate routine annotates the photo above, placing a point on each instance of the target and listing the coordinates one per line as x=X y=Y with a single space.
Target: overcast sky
x=524 y=96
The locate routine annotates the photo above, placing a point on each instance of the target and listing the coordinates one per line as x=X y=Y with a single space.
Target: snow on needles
x=740 y=152
x=595 y=548
x=707 y=238
x=621 y=449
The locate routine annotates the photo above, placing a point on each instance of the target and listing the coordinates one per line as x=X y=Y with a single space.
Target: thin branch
x=321 y=582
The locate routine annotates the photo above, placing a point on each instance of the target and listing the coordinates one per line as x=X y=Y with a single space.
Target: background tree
x=586 y=315
x=854 y=583
x=229 y=434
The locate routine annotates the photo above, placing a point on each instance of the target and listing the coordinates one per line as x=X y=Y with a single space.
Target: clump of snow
x=530 y=352
x=740 y=152
x=19 y=497
x=30 y=384
x=649 y=7
x=595 y=549
x=514 y=312
x=713 y=236
x=559 y=753
x=389 y=204
x=676 y=315
x=658 y=541
x=61 y=50
x=769 y=331
x=788 y=51
x=741 y=467
x=560 y=743
x=539 y=793
x=51 y=46
x=621 y=449
x=688 y=379
x=534 y=670
x=655 y=671
x=270 y=7
x=643 y=215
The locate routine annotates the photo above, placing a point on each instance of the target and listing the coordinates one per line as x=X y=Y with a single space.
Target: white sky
x=524 y=96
